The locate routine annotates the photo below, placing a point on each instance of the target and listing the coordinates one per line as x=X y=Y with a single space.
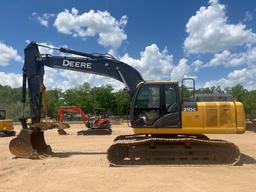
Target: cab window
x=170 y=97
x=148 y=97
x=147 y=105
x=2 y=114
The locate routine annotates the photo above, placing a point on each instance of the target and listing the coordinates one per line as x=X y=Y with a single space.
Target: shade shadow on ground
x=246 y=159
x=68 y=154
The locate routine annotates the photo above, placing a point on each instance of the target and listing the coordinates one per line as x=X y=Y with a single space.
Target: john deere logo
x=76 y=64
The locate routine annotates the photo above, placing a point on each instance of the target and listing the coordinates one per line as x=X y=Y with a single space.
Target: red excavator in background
x=97 y=125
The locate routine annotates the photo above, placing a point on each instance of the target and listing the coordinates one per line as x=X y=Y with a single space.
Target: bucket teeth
x=62 y=132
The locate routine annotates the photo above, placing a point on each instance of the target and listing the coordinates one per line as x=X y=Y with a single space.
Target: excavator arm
x=72 y=109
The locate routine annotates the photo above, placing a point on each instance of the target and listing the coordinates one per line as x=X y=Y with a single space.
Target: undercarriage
x=95 y=131
x=7 y=133
x=130 y=150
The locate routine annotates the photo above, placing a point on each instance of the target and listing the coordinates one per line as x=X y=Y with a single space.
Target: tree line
x=90 y=98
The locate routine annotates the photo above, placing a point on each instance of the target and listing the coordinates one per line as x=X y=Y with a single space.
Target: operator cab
x=156 y=104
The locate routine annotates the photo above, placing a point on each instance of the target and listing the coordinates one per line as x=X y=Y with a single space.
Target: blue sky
x=213 y=41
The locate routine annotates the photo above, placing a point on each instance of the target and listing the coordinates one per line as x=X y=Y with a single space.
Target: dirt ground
x=80 y=164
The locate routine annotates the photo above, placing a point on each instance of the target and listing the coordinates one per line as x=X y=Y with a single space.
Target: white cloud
x=7 y=54
x=197 y=64
x=10 y=79
x=43 y=19
x=250 y=57
x=248 y=16
x=153 y=64
x=213 y=1
x=209 y=31
x=89 y=24
x=228 y=59
x=245 y=77
x=181 y=70
x=220 y=58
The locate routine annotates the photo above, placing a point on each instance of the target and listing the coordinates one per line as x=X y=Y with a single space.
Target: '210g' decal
x=189 y=109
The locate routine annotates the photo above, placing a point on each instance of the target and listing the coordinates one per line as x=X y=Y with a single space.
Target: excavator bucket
x=29 y=144
x=62 y=132
x=61 y=128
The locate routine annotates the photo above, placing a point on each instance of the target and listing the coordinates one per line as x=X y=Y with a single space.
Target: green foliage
x=89 y=99
x=54 y=99
x=104 y=98
x=209 y=90
x=10 y=101
x=186 y=92
x=238 y=92
x=81 y=96
x=248 y=98
x=122 y=99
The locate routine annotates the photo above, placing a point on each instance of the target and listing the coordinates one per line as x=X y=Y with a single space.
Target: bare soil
x=80 y=164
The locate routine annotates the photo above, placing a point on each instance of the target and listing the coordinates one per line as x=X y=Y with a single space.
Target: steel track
x=138 y=150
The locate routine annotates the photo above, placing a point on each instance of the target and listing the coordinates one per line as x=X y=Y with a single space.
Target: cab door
x=171 y=108
x=146 y=106
x=156 y=105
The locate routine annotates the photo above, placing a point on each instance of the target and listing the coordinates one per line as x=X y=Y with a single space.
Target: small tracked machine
x=96 y=125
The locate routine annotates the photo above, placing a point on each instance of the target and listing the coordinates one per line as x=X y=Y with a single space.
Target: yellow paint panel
x=193 y=119
x=6 y=125
x=241 y=119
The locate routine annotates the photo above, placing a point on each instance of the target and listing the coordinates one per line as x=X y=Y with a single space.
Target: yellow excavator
x=6 y=125
x=169 y=129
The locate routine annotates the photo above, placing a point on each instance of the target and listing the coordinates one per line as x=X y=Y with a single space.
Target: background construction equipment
x=6 y=125
x=97 y=124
